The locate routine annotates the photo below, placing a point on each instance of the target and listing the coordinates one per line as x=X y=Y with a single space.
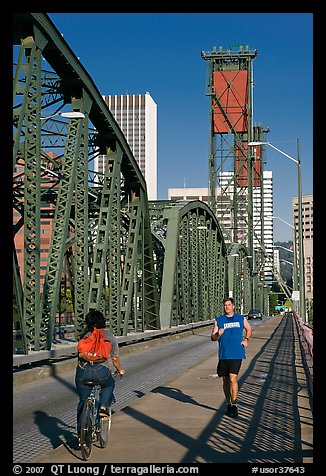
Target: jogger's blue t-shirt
x=230 y=341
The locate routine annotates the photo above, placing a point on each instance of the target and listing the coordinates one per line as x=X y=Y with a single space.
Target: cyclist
x=97 y=371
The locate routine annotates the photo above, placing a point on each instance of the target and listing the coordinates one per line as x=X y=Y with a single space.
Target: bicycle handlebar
x=115 y=373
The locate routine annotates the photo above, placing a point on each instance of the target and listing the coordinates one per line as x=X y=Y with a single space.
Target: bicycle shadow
x=73 y=448
x=57 y=431
x=52 y=427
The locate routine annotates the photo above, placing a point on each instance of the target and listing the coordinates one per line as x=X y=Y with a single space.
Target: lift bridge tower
x=232 y=168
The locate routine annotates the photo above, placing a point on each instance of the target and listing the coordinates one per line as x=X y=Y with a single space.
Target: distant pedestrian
x=232 y=331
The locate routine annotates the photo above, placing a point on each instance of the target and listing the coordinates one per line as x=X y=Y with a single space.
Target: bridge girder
x=192 y=275
x=146 y=265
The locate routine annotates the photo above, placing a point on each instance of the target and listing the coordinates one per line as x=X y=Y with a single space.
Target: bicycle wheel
x=104 y=427
x=86 y=431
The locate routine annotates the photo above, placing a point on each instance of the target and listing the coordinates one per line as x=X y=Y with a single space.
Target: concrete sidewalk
x=184 y=421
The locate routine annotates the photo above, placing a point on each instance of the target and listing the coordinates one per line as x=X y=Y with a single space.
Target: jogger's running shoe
x=228 y=409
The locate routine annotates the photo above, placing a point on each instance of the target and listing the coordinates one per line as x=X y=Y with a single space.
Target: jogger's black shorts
x=228 y=366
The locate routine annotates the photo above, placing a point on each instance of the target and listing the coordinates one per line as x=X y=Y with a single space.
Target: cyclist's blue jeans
x=101 y=375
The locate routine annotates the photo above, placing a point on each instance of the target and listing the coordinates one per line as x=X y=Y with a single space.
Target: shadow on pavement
x=53 y=428
x=177 y=394
x=268 y=427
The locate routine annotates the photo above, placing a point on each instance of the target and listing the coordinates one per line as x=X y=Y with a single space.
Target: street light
x=68 y=115
x=300 y=231
x=295 y=268
x=283 y=247
x=279 y=218
x=286 y=261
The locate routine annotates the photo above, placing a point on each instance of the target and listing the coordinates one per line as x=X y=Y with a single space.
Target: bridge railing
x=67 y=347
x=306 y=342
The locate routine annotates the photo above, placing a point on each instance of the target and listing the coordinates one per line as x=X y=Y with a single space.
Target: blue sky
x=131 y=53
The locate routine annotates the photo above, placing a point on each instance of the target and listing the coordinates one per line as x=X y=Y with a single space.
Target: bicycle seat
x=89 y=382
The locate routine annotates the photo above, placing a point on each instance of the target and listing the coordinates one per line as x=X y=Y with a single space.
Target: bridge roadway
x=170 y=406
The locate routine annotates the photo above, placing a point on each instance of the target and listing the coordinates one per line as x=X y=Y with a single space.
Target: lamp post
x=286 y=222
x=294 y=265
x=286 y=261
x=300 y=231
x=295 y=260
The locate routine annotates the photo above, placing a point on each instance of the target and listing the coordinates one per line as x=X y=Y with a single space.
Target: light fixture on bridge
x=286 y=261
x=283 y=247
x=68 y=115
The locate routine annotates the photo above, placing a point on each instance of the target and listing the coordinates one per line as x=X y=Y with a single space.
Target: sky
x=160 y=53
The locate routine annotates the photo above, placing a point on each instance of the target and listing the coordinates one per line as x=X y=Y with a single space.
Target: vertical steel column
x=184 y=312
x=202 y=268
x=195 y=265
x=138 y=288
x=60 y=232
x=222 y=280
x=169 y=268
x=150 y=294
x=20 y=343
x=209 y=290
x=32 y=197
x=107 y=244
x=212 y=146
x=80 y=268
x=215 y=270
x=130 y=264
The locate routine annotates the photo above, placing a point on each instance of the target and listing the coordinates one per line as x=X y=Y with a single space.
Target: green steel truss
x=239 y=276
x=101 y=244
x=106 y=252
x=146 y=265
x=192 y=272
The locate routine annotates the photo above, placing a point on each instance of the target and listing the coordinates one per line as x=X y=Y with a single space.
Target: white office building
x=308 y=234
x=224 y=199
x=136 y=115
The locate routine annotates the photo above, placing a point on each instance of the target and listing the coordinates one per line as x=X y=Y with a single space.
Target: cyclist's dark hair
x=228 y=299
x=94 y=319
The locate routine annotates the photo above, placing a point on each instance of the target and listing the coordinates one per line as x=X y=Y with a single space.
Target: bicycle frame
x=93 y=428
x=88 y=432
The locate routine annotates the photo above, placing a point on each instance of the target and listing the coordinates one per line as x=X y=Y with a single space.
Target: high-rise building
x=136 y=115
x=308 y=232
x=263 y=204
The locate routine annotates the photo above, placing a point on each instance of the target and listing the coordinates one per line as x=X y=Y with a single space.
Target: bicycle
x=93 y=428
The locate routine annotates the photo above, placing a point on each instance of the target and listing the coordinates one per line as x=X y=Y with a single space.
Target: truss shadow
x=268 y=427
x=177 y=394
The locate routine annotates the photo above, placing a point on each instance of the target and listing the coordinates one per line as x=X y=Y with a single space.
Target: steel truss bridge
x=146 y=264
